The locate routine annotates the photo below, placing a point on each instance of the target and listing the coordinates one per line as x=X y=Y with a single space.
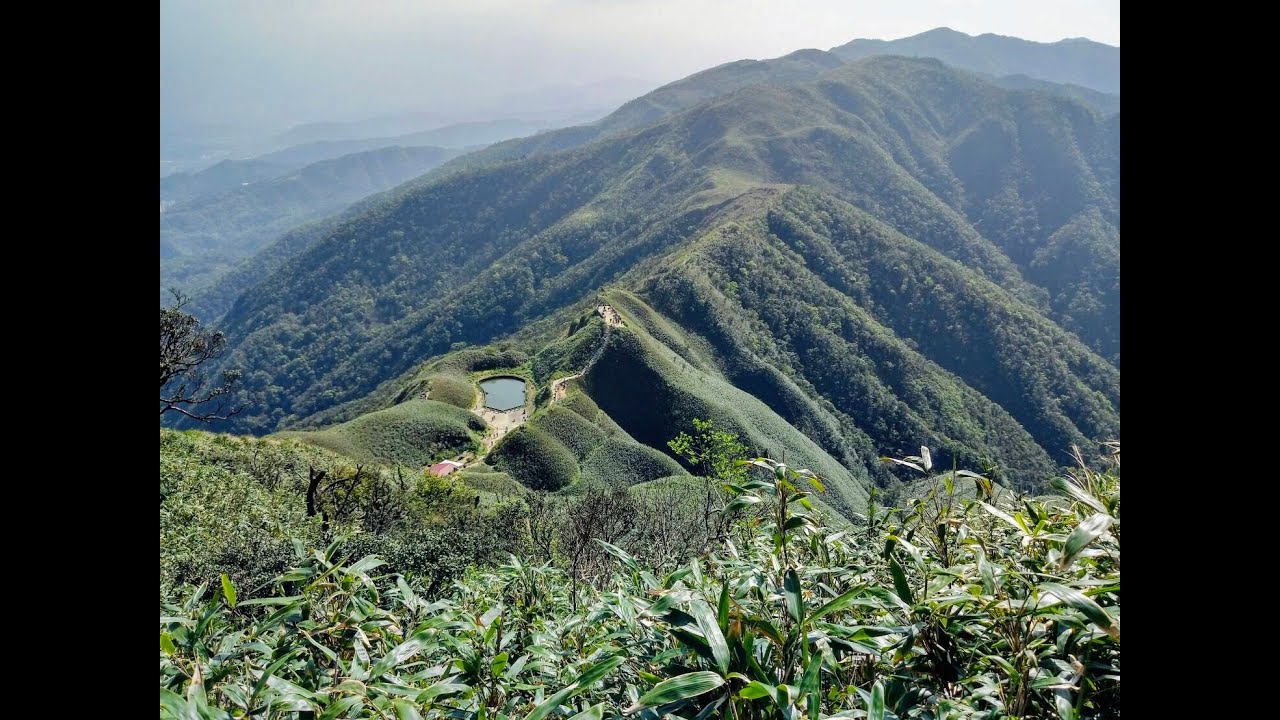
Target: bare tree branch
x=184 y=348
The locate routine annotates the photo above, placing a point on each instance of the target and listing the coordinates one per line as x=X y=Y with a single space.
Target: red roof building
x=441 y=469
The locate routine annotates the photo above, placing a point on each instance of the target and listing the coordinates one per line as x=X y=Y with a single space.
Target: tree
x=184 y=348
x=713 y=455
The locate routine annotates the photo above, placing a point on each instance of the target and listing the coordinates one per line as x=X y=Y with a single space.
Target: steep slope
x=1075 y=60
x=869 y=311
x=202 y=237
x=798 y=67
x=1105 y=103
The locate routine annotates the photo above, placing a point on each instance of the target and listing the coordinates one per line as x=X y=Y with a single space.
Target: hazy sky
x=280 y=62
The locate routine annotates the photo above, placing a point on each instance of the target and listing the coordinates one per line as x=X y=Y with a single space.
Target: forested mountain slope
x=202 y=237
x=892 y=253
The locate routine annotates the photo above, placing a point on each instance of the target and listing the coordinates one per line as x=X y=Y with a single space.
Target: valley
x=788 y=390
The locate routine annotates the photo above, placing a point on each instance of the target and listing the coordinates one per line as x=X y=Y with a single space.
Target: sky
x=276 y=63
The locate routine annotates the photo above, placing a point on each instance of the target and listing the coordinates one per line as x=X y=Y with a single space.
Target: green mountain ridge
x=795 y=68
x=882 y=320
x=1077 y=61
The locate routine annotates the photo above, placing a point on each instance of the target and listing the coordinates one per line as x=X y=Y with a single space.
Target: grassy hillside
x=414 y=433
x=561 y=445
x=647 y=388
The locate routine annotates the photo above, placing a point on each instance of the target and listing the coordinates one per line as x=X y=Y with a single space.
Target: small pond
x=504 y=393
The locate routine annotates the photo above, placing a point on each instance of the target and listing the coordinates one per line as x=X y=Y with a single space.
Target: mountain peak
x=1077 y=61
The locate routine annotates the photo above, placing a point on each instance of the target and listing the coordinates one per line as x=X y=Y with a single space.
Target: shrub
x=452 y=388
x=535 y=459
x=415 y=433
x=575 y=433
x=623 y=462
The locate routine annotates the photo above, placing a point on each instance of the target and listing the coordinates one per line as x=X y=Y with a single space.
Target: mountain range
x=1075 y=61
x=838 y=260
x=232 y=211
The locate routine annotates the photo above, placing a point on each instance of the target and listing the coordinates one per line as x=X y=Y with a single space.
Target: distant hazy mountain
x=230 y=174
x=799 y=66
x=1105 y=103
x=219 y=178
x=515 y=113
x=1075 y=60
x=356 y=136
x=203 y=236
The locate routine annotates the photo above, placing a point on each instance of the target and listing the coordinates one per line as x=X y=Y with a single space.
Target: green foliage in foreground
x=233 y=505
x=997 y=607
x=414 y=433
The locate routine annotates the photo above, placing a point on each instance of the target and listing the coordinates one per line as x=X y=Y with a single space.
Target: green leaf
x=1003 y=516
x=1085 y=533
x=835 y=605
x=767 y=629
x=266 y=674
x=740 y=502
x=710 y=628
x=591 y=676
x=722 y=608
x=810 y=687
x=595 y=712
x=791 y=590
x=366 y=564
x=440 y=689
x=399 y=654
x=405 y=710
x=1083 y=603
x=342 y=707
x=292 y=599
x=229 y=591
x=911 y=465
x=166 y=644
x=1075 y=491
x=295 y=697
x=677 y=688
x=551 y=703
x=621 y=554
x=597 y=672
x=1062 y=703
x=498 y=664
x=486 y=620
x=172 y=703
x=875 y=711
x=755 y=690
x=900 y=585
